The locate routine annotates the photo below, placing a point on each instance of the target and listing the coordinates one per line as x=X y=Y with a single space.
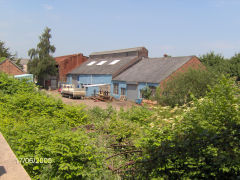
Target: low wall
x=10 y=168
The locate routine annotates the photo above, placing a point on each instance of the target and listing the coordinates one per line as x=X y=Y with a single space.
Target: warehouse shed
x=102 y=67
x=151 y=72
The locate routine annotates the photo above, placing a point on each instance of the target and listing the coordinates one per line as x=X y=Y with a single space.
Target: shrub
x=146 y=92
x=215 y=62
x=235 y=66
x=178 y=90
x=203 y=145
x=38 y=126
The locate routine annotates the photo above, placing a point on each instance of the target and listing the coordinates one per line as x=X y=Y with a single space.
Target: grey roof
x=152 y=70
x=105 y=68
x=117 y=51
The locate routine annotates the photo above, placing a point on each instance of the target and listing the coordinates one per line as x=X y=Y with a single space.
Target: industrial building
x=150 y=72
x=102 y=67
x=126 y=72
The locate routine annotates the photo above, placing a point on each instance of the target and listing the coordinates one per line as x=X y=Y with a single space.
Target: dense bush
x=201 y=141
x=38 y=126
x=204 y=144
x=81 y=143
x=178 y=90
x=146 y=92
x=235 y=66
x=217 y=63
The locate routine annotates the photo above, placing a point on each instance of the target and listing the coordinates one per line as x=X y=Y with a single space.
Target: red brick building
x=8 y=67
x=68 y=63
x=193 y=63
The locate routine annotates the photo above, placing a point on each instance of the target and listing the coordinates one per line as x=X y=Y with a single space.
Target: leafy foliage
x=178 y=90
x=200 y=141
x=235 y=66
x=202 y=144
x=18 y=63
x=146 y=92
x=212 y=59
x=2 y=59
x=38 y=126
x=41 y=62
x=5 y=52
x=215 y=62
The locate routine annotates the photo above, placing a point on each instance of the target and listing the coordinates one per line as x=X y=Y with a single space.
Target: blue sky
x=175 y=27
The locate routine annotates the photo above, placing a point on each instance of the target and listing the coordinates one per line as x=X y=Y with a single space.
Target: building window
x=123 y=91
x=115 y=88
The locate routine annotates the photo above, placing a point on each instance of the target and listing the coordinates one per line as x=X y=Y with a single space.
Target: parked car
x=70 y=91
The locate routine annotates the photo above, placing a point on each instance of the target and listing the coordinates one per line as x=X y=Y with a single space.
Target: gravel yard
x=91 y=103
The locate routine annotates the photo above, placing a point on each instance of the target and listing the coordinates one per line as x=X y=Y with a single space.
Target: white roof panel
x=101 y=63
x=114 y=62
x=91 y=63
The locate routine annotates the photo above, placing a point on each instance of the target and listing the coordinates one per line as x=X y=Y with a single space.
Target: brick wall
x=143 y=53
x=193 y=63
x=9 y=68
x=68 y=63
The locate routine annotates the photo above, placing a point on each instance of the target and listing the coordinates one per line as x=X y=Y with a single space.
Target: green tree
x=178 y=90
x=146 y=92
x=18 y=63
x=235 y=66
x=2 y=59
x=5 y=52
x=204 y=144
x=215 y=62
x=42 y=63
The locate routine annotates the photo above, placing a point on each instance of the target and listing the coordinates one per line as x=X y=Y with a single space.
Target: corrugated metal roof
x=106 y=68
x=152 y=70
x=117 y=51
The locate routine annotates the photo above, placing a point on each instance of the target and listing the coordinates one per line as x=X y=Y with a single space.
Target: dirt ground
x=91 y=103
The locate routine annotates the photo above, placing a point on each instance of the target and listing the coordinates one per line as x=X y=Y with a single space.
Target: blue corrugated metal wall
x=94 y=79
x=105 y=79
x=121 y=84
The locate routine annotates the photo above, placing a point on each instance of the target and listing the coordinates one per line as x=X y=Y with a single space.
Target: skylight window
x=91 y=63
x=101 y=62
x=114 y=62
